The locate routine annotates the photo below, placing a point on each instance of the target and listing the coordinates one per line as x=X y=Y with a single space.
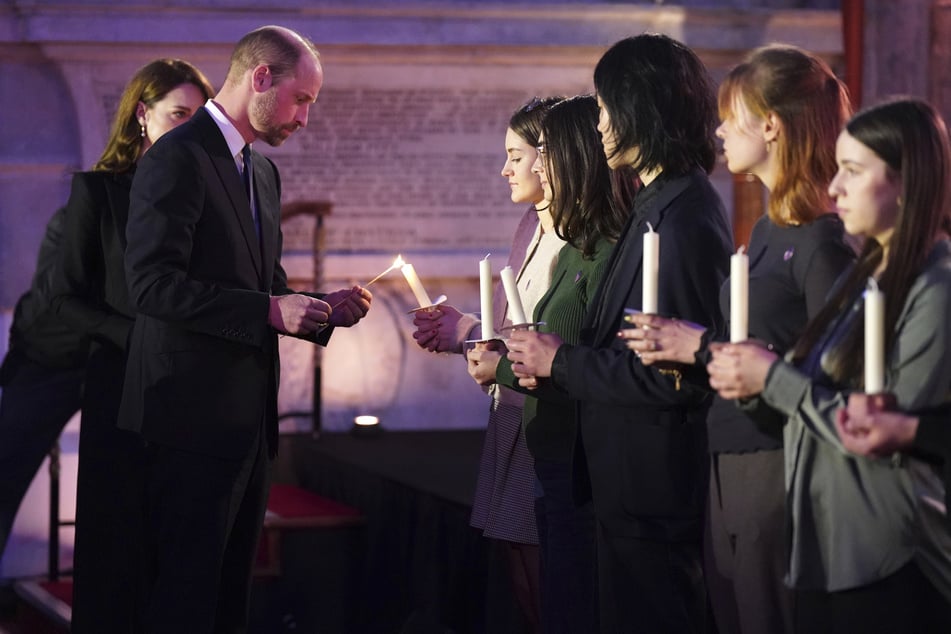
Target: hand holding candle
x=874 y=338
x=516 y=312
x=650 y=269
x=485 y=297
x=417 y=287
x=739 y=296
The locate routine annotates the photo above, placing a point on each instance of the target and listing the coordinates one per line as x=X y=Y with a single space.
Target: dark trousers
x=746 y=564
x=649 y=586
x=108 y=564
x=205 y=518
x=37 y=403
x=568 y=557
x=902 y=603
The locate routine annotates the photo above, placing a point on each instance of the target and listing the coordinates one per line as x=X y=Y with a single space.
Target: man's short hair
x=277 y=47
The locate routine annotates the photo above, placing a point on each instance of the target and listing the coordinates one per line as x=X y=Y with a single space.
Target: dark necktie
x=248 y=187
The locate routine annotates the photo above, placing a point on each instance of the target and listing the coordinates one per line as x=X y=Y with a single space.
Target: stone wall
x=405 y=142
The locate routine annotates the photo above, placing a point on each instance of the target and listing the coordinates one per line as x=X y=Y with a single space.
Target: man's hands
x=348 y=305
x=298 y=314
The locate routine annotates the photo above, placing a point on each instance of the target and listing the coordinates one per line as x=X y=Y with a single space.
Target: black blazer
x=37 y=334
x=641 y=449
x=90 y=290
x=202 y=370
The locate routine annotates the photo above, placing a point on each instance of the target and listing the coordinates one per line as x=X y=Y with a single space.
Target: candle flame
x=650 y=227
x=872 y=284
x=397 y=263
x=486 y=256
x=741 y=249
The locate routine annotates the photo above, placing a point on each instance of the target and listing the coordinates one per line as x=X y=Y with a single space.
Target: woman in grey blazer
x=859 y=549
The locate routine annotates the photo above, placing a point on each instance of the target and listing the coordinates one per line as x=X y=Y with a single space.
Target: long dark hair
x=149 y=85
x=911 y=138
x=812 y=104
x=586 y=204
x=661 y=102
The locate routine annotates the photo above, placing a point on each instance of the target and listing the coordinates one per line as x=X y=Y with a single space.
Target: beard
x=264 y=116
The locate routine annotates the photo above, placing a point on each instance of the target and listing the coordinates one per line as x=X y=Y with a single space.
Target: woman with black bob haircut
x=640 y=449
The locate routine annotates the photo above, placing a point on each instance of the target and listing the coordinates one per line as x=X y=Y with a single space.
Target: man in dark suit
x=204 y=272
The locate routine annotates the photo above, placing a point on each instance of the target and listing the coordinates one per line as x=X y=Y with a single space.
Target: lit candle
x=874 y=338
x=516 y=312
x=485 y=297
x=739 y=296
x=397 y=263
x=650 y=268
x=417 y=287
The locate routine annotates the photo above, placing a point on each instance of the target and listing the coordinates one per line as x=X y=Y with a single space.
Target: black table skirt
x=423 y=568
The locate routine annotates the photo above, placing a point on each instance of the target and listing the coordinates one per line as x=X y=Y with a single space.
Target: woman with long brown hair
x=862 y=535
x=92 y=296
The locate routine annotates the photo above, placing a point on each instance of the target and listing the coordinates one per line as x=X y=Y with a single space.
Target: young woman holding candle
x=640 y=453
x=862 y=537
x=781 y=112
x=505 y=491
x=588 y=211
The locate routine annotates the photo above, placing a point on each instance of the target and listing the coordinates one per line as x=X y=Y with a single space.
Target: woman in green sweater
x=589 y=205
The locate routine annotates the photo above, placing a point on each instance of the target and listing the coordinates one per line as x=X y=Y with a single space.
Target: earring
x=142 y=130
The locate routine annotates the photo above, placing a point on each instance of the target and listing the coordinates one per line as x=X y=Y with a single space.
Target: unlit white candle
x=874 y=338
x=739 y=296
x=485 y=297
x=417 y=287
x=516 y=312
x=650 y=270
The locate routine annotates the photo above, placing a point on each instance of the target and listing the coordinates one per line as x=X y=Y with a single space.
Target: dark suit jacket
x=37 y=335
x=91 y=294
x=203 y=363
x=642 y=440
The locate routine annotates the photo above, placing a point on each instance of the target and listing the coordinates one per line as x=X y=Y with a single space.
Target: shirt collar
x=232 y=137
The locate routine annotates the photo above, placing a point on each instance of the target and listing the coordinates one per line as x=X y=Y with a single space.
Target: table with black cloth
x=423 y=569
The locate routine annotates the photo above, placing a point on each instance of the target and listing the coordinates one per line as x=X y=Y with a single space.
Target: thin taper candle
x=485 y=297
x=417 y=287
x=516 y=312
x=650 y=270
x=739 y=296
x=874 y=338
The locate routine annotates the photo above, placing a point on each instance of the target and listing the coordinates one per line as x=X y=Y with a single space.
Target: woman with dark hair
x=782 y=110
x=863 y=536
x=640 y=453
x=91 y=296
x=588 y=212
x=502 y=505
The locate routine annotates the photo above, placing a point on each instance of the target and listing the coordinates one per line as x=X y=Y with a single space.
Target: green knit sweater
x=549 y=415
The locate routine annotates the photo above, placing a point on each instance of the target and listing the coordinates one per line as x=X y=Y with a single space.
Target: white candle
x=485 y=297
x=516 y=312
x=874 y=338
x=417 y=287
x=650 y=268
x=739 y=296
